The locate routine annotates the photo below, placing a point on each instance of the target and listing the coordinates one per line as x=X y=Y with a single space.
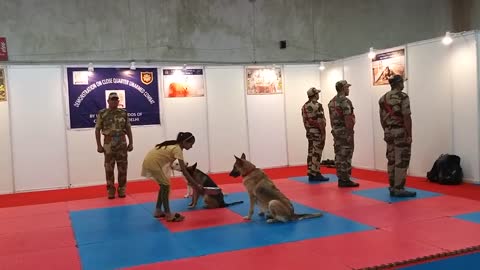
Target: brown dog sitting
x=213 y=196
x=262 y=191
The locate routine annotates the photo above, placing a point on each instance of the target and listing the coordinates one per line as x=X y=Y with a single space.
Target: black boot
x=317 y=178
x=402 y=193
x=348 y=183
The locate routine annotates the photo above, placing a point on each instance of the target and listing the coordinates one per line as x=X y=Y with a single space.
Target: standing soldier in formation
x=342 y=120
x=397 y=126
x=314 y=122
x=114 y=124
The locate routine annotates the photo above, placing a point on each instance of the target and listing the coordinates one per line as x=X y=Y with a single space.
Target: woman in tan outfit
x=157 y=165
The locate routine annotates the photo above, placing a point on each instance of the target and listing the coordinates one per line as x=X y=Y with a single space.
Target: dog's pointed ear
x=243 y=156
x=194 y=166
x=237 y=158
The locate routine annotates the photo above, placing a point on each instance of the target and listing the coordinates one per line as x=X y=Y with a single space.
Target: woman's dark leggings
x=163 y=195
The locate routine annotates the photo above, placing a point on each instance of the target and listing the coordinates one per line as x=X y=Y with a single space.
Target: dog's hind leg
x=279 y=211
x=210 y=202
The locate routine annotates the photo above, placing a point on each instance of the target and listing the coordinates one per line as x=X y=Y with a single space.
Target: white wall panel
x=188 y=114
x=463 y=64
x=6 y=172
x=266 y=130
x=38 y=127
x=357 y=73
x=429 y=87
x=86 y=164
x=298 y=79
x=227 y=119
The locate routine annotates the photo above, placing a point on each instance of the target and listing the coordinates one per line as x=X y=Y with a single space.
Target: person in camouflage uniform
x=342 y=120
x=397 y=126
x=114 y=124
x=314 y=122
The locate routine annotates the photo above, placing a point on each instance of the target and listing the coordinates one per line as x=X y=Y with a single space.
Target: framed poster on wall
x=3 y=86
x=264 y=80
x=387 y=64
x=88 y=93
x=3 y=49
x=183 y=82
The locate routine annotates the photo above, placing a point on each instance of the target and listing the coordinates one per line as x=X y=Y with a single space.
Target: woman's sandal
x=159 y=214
x=176 y=218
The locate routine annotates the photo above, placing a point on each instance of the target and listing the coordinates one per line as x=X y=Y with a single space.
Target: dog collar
x=249 y=172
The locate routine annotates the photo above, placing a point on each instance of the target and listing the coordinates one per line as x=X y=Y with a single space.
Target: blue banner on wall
x=137 y=90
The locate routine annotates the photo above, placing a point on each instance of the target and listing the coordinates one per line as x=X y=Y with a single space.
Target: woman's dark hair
x=181 y=137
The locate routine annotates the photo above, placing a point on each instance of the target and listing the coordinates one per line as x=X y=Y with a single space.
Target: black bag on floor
x=446 y=170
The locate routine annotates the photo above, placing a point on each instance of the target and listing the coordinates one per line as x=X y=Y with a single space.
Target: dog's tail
x=232 y=203
x=306 y=216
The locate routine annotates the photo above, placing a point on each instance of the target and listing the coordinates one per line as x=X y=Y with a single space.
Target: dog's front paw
x=271 y=220
x=247 y=217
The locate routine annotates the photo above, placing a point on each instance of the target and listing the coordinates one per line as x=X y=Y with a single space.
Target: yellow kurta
x=157 y=163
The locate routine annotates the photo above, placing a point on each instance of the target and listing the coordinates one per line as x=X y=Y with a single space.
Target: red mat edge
x=466 y=190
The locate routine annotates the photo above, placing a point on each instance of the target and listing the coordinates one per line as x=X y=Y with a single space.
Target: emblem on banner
x=146 y=77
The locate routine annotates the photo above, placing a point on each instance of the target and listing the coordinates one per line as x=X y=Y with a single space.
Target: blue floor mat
x=472 y=217
x=131 y=230
x=465 y=262
x=383 y=194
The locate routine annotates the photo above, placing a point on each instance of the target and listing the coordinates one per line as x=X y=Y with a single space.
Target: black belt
x=394 y=126
x=114 y=135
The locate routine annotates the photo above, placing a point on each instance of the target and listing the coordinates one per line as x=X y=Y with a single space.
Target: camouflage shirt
x=393 y=106
x=339 y=107
x=313 y=116
x=112 y=122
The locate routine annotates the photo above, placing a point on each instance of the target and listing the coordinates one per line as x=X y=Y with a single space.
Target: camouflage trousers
x=343 y=145
x=314 y=158
x=115 y=152
x=398 y=156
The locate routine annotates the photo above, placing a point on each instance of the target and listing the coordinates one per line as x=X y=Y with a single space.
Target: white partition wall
x=145 y=138
x=188 y=114
x=6 y=176
x=332 y=74
x=6 y=173
x=464 y=86
x=86 y=164
x=429 y=89
x=298 y=79
x=266 y=130
x=40 y=152
x=443 y=90
x=227 y=118
x=357 y=73
x=38 y=127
